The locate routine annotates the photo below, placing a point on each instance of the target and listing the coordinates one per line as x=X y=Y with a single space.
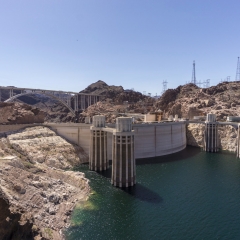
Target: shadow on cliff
x=186 y=153
x=10 y=227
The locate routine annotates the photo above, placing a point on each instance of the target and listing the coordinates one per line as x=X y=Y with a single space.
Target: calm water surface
x=188 y=195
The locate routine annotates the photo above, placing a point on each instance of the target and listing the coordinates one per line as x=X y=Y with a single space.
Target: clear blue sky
x=67 y=45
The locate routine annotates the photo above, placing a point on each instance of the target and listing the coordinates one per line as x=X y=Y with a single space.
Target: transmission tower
x=164 y=86
x=206 y=84
x=238 y=71
x=199 y=83
x=227 y=79
x=194 y=74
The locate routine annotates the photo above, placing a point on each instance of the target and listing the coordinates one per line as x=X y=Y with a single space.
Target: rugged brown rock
x=19 y=113
x=37 y=194
x=116 y=102
x=189 y=100
x=227 y=136
x=54 y=110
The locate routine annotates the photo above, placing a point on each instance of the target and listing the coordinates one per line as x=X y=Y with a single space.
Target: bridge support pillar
x=123 y=160
x=211 y=134
x=98 y=145
x=76 y=102
x=10 y=93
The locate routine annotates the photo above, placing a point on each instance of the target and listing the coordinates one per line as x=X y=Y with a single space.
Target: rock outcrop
x=37 y=194
x=227 y=136
x=189 y=100
x=195 y=135
x=54 y=110
x=116 y=102
x=19 y=113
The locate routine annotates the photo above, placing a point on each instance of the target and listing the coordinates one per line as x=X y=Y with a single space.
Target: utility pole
x=238 y=71
x=194 y=74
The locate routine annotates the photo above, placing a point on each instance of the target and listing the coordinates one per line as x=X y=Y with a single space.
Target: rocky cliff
x=227 y=136
x=19 y=113
x=189 y=100
x=37 y=192
x=116 y=101
x=54 y=111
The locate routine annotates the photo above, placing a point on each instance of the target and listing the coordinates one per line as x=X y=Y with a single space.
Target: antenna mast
x=194 y=74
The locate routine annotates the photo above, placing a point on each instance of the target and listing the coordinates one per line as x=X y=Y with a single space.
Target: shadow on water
x=107 y=173
x=137 y=191
x=188 y=152
x=143 y=194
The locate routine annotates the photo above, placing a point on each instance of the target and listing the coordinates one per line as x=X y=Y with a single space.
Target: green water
x=188 y=195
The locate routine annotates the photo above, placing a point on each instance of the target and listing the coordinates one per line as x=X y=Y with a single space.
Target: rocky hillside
x=54 y=110
x=116 y=101
x=37 y=194
x=226 y=138
x=12 y=113
x=101 y=88
x=189 y=100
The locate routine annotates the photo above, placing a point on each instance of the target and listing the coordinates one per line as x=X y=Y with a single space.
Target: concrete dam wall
x=151 y=140
x=159 y=139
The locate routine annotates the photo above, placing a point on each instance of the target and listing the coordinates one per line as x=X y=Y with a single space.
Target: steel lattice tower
x=206 y=84
x=238 y=71
x=164 y=86
x=194 y=74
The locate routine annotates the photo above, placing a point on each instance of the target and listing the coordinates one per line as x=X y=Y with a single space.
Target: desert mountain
x=189 y=100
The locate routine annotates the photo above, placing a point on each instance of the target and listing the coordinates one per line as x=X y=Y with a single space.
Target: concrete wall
x=159 y=139
x=151 y=140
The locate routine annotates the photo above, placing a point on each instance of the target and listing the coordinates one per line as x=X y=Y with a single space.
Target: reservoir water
x=188 y=195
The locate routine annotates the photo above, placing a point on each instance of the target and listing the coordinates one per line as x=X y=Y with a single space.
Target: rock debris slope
x=37 y=194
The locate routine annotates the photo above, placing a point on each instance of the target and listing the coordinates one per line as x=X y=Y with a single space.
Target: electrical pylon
x=238 y=71
x=164 y=86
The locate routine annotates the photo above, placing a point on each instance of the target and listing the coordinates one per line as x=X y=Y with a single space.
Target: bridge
x=74 y=101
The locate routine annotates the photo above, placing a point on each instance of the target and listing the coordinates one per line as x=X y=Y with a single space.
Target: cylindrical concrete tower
x=123 y=160
x=211 y=134
x=98 y=145
x=211 y=117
